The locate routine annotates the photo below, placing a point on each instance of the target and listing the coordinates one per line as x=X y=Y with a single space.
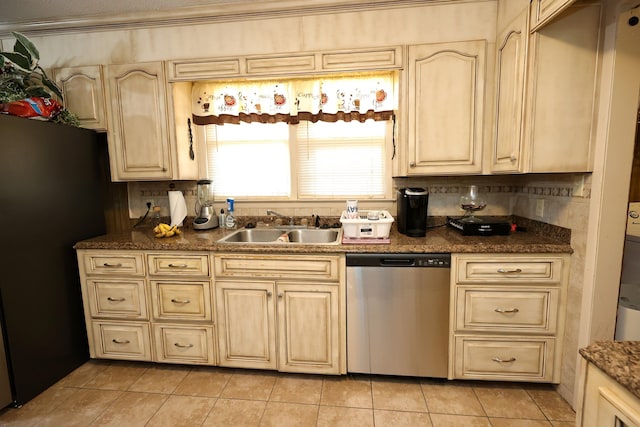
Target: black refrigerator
x=51 y=184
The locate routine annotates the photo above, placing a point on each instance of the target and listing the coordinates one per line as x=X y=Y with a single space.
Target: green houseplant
x=22 y=77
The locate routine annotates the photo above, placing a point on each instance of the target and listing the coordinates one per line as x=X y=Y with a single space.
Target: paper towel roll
x=177 y=208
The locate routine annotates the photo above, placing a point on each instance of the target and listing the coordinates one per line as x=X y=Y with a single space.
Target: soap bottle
x=230 y=221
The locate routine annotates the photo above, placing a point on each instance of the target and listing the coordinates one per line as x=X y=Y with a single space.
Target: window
x=307 y=161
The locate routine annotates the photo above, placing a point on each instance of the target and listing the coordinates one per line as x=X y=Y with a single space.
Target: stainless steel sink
x=297 y=236
x=313 y=236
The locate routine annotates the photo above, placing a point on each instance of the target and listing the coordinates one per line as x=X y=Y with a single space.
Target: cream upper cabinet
x=562 y=92
x=446 y=84
x=139 y=131
x=83 y=91
x=546 y=93
x=545 y=10
x=511 y=47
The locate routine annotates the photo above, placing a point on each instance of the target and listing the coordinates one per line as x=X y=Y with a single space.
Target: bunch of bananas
x=165 y=230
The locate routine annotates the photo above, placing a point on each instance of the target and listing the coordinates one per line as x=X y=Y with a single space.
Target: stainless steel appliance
x=207 y=218
x=412 y=211
x=52 y=179
x=398 y=314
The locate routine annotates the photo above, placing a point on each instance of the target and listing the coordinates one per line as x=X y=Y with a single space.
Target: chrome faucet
x=270 y=212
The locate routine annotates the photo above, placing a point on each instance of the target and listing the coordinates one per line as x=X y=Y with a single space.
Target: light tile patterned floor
x=103 y=393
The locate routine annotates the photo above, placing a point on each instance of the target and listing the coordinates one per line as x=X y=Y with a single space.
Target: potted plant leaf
x=25 y=88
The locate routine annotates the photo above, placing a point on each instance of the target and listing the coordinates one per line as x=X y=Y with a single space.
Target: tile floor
x=103 y=393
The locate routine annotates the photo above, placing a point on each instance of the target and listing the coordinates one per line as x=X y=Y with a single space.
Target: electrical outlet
x=578 y=187
x=540 y=208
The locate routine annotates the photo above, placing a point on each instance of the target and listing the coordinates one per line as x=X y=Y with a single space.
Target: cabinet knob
x=513 y=157
x=280 y=294
x=269 y=294
x=412 y=164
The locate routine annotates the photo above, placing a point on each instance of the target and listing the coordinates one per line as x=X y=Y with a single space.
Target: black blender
x=206 y=217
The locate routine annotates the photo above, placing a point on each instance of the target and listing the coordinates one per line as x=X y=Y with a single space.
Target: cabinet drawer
x=179 y=265
x=122 y=340
x=511 y=359
x=114 y=264
x=297 y=267
x=117 y=299
x=517 y=310
x=181 y=300
x=180 y=344
x=511 y=269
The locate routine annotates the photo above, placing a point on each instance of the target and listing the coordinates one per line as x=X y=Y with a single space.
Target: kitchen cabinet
x=281 y=312
x=544 y=116
x=543 y=11
x=605 y=402
x=83 y=92
x=140 y=136
x=148 y=306
x=507 y=316
x=445 y=91
x=511 y=53
x=282 y=64
x=115 y=299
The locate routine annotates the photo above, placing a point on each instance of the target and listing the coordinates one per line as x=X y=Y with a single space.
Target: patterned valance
x=355 y=97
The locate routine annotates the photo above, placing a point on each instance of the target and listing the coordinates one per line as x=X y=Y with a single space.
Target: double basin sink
x=309 y=236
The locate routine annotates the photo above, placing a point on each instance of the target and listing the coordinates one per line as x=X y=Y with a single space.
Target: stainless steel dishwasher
x=398 y=314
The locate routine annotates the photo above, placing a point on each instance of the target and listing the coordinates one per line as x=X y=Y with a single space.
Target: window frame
x=389 y=150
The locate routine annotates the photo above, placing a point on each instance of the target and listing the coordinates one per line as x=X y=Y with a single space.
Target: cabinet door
x=83 y=91
x=246 y=324
x=139 y=147
x=510 y=68
x=308 y=328
x=446 y=98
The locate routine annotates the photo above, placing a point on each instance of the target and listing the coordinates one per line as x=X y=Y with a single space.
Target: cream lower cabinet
x=281 y=312
x=507 y=316
x=155 y=306
x=605 y=403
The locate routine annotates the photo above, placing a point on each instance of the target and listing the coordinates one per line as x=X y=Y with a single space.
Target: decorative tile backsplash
x=504 y=194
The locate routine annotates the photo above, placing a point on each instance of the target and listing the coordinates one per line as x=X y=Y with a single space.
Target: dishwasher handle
x=397 y=262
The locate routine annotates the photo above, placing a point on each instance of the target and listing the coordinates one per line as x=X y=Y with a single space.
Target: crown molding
x=210 y=14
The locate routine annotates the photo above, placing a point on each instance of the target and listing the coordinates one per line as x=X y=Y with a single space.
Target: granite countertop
x=618 y=359
x=441 y=239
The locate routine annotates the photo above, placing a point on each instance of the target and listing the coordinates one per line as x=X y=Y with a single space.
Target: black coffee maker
x=412 y=211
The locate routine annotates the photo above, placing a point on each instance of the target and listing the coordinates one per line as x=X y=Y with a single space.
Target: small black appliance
x=412 y=211
x=481 y=226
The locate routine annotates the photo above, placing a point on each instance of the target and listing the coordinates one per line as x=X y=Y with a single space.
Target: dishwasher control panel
x=399 y=260
x=433 y=262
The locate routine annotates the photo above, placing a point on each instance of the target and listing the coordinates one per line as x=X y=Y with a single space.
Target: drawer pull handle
x=502 y=310
x=179 y=345
x=515 y=270
x=117 y=341
x=178 y=265
x=180 y=301
x=115 y=299
x=500 y=360
x=107 y=265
